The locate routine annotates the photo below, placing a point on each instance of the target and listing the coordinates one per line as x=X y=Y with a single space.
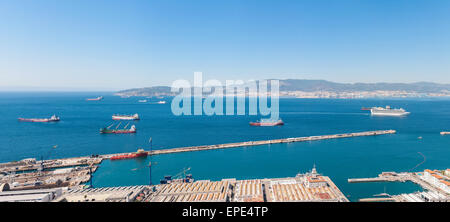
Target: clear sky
x=96 y=44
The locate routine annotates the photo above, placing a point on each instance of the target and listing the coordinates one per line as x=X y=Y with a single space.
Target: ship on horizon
x=53 y=118
x=267 y=122
x=125 y=130
x=95 y=99
x=388 y=111
x=125 y=117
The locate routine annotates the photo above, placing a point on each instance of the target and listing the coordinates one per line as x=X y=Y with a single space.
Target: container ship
x=138 y=154
x=125 y=117
x=108 y=130
x=388 y=111
x=95 y=99
x=267 y=122
x=53 y=118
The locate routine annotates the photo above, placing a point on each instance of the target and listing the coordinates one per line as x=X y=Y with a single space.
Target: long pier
x=266 y=142
x=261 y=142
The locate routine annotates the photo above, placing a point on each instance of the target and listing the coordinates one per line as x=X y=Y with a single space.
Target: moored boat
x=267 y=122
x=53 y=118
x=139 y=153
x=125 y=117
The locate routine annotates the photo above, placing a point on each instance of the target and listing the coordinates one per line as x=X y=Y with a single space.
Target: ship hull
x=266 y=124
x=129 y=156
x=38 y=120
x=118 y=132
x=124 y=118
x=389 y=113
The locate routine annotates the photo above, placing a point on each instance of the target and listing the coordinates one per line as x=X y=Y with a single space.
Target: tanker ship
x=53 y=118
x=139 y=153
x=267 y=122
x=125 y=117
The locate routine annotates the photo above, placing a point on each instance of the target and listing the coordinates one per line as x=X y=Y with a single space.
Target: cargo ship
x=125 y=117
x=108 y=130
x=267 y=122
x=138 y=154
x=95 y=99
x=53 y=118
x=388 y=111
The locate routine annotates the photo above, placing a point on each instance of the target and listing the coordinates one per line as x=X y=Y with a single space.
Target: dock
x=435 y=190
x=262 y=142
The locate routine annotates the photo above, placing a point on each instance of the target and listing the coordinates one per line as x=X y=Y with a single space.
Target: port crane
x=182 y=173
x=41 y=168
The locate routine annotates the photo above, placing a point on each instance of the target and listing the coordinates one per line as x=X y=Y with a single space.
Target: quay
x=304 y=187
x=45 y=174
x=435 y=183
x=261 y=142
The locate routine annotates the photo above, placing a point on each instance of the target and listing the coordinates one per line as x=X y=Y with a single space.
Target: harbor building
x=105 y=194
x=36 y=195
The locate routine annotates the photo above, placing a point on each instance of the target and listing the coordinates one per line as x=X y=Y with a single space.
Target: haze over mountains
x=288 y=86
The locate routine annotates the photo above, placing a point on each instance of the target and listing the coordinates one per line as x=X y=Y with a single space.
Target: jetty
x=267 y=142
x=437 y=190
x=258 y=143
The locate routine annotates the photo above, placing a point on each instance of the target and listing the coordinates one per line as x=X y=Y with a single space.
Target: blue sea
x=77 y=134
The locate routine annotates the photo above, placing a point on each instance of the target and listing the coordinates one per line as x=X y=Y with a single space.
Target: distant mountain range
x=308 y=86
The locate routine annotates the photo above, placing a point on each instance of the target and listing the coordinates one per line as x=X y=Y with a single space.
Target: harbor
x=75 y=172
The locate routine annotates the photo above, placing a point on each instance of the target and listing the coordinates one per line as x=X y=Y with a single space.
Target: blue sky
x=97 y=44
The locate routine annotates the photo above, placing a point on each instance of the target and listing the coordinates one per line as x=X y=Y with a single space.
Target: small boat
x=125 y=117
x=161 y=102
x=53 y=118
x=142 y=101
x=108 y=130
x=95 y=99
x=366 y=108
x=139 y=153
x=267 y=122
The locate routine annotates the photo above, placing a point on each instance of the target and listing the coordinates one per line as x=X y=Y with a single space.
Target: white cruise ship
x=388 y=111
